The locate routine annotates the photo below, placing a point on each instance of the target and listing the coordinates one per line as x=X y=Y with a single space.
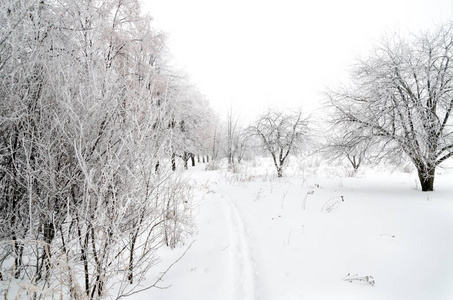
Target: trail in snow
x=255 y=242
x=221 y=263
x=241 y=258
x=255 y=276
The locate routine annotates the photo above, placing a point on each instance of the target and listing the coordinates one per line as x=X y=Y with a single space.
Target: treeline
x=91 y=113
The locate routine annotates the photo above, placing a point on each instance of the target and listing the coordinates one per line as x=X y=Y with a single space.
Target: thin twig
x=154 y=285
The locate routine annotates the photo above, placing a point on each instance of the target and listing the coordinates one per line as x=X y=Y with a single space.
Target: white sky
x=252 y=54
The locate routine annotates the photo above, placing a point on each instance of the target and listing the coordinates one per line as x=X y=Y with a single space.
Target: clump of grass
x=332 y=204
x=355 y=277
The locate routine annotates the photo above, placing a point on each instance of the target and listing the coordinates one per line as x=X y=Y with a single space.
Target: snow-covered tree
x=342 y=144
x=241 y=143
x=235 y=138
x=401 y=99
x=280 y=134
x=189 y=124
x=82 y=116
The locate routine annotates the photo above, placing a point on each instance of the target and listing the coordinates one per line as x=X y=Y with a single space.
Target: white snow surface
x=298 y=237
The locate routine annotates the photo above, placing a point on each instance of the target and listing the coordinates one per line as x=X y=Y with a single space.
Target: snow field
x=256 y=240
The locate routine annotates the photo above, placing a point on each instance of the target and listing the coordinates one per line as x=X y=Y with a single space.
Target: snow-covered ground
x=300 y=236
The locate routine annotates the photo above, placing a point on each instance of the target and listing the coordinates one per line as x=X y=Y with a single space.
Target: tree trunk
x=192 y=157
x=279 y=171
x=131 y=260
x=426 y=178
x=49 y=234
x=186 y=158
x=18 y=251
x=173 y=161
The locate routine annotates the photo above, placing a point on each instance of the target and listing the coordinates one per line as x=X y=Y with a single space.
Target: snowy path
x=220 y=264
x=241 y=259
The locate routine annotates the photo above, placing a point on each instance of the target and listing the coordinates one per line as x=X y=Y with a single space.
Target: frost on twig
x=355 y=277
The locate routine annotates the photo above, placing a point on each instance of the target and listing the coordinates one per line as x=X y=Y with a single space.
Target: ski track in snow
x=241 y=258
x=239 y=255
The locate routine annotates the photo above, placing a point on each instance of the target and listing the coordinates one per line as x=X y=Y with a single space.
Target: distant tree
x=191 y=115
x=236 y=139
x=341 y=143
x=281 y=134
x=401 y=99
x=231 y=130
x=216 y=128
x=241 y=143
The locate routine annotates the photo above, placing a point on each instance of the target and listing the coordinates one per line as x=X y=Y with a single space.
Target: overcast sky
x=252 y=54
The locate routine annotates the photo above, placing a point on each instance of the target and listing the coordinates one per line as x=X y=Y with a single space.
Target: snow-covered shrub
x=213 y=165
x=240 y=177
x=177 y=211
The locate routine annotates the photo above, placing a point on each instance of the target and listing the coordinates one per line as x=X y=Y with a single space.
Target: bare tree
x=341 y=144
x=241 y=143
x=236 y=139
x=281 y=134
x=214 y=143
x=232 y=124
x=401 y=99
